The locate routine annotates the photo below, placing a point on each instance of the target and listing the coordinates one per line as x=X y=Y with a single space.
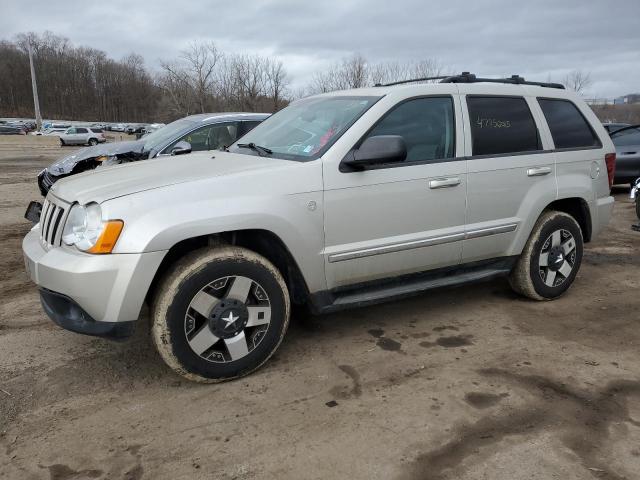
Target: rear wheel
x=219 y=313
x=551 y=258
x=93 y=142
x=638 y=206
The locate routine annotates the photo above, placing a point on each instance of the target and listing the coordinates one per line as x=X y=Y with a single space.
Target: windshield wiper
x=255 y=147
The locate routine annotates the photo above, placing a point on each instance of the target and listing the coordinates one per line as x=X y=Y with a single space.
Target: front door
x=404 y=217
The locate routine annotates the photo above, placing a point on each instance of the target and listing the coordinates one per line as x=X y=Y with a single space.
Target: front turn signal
x=108 y=238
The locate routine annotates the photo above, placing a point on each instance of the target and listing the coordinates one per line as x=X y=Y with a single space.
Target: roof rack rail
x=411 y=80
x=466 y=77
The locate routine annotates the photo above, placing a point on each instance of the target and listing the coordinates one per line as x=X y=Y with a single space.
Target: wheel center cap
x=556 y=258
x=228 y=318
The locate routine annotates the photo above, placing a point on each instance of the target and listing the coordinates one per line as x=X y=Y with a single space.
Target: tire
x=556 y=240
x=62 y=144
x=638 y=207
x=93 y=142
x=198 y=301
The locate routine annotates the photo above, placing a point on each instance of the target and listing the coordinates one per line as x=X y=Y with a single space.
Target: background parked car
x=82 y=136
x=49 y=132
x=207 y=131
x=118 y=127
x=613 y=126
x=627 y=142
x=6 y=129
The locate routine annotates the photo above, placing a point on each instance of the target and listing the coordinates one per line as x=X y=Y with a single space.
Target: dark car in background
x=627 y=142
x=206 y=131
x=6 y=129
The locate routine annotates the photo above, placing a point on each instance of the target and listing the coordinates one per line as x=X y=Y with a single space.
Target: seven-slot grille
x=51 y=223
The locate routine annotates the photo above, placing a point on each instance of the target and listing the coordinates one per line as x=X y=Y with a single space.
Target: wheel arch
x=262 y=242
x=578 y=208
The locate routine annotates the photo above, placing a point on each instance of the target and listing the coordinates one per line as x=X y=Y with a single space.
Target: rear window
x=568 y=126
x=501 y=125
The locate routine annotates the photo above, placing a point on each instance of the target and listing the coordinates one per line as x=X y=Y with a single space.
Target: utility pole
x=34 y=87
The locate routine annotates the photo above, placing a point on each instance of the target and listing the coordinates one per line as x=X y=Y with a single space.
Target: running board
x=408 y=285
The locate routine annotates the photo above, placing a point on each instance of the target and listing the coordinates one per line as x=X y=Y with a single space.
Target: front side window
x=307 y=128
x=71 y=131
x=211 y=137
x=427 y=126
x=569 y=128
x=501 y=125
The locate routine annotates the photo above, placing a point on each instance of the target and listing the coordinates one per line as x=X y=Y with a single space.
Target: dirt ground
x=466 y=383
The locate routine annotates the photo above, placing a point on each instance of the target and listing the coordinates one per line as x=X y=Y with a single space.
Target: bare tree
x=193 y=71
x=578 y=81
x=351 y=72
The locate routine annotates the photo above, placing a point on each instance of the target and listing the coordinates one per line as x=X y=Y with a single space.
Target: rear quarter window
x=569 y=128
x=501 y=125
x=96 y=130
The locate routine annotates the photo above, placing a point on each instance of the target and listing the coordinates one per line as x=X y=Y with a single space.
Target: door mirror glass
x=181 y=148
x=378 y=150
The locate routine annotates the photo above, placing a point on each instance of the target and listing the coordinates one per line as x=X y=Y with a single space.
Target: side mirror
x=377 y=150
x=181 y=148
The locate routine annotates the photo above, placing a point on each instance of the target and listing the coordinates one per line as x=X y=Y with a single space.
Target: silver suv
x=82 y=136
x=339 y=200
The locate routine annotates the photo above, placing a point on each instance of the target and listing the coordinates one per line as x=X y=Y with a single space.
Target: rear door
x=404 y=217
x=511 y=172
x=82 y=135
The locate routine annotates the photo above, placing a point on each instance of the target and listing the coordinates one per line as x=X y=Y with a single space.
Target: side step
x=409 y=285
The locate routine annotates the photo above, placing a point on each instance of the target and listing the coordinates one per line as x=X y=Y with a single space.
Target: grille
x=51 y=223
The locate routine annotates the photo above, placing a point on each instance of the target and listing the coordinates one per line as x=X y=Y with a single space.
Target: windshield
x=626 y=137
x=307 y=128
x=166 y=134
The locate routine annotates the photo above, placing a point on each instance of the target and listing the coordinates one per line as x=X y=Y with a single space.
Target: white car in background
x=49 y=132
x=82 y=136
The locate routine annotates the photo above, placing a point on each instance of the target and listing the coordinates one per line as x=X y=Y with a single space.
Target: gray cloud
x=492 y=37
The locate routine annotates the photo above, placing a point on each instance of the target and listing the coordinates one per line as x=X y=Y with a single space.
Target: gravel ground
x=466 y=383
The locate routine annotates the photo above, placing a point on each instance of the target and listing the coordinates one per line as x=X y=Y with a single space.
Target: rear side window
x=81 y=130
x=96 y=130
x=501 y=125
x=569 y=128
x=427 y=126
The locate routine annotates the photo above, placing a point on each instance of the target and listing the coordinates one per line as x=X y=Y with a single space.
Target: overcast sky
x=534 y=38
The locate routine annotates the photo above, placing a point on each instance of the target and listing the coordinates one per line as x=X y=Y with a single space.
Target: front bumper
x=105 y=288
x=45 y=181
x=604 y=212
x=69 y=315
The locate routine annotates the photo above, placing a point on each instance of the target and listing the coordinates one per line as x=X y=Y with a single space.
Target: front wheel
x=551 y=257
x=62 y=144
x=219 y=313
x=638 y=206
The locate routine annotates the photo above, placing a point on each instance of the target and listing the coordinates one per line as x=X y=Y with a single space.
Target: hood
x=66 y=164
x=107 y=183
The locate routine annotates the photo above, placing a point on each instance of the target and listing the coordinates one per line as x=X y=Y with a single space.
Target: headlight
x=88 y=232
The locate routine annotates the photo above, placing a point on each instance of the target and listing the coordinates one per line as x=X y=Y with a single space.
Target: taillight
x=610 y=160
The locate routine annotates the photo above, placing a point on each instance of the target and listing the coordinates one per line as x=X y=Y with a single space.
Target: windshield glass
x=167 y=133
x=629 y=136
x=307 y=128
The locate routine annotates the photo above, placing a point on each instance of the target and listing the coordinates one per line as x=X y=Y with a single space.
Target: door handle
x=539 y=171
x=444 y=182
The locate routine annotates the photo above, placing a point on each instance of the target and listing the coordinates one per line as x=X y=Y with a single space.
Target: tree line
x=82 y=83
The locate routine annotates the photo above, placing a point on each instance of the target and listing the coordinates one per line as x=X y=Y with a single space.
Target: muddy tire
x=219 y=313
x=551 y=257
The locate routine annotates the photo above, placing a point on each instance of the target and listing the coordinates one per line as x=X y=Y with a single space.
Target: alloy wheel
x=227 y=319
x=557 y=258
